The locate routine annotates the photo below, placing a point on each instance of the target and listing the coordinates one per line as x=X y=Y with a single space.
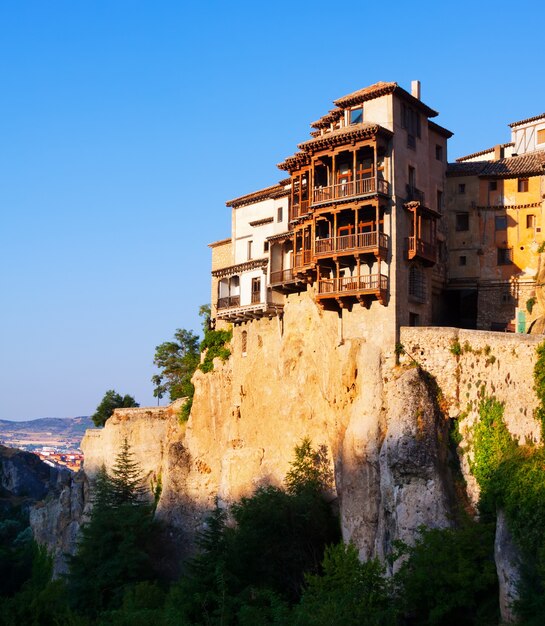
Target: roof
x=529 y=164
x=328 y=118
x=381 y=89
x=527 y=120
x=483 y=152
x=274 y=191
x=440 y=130
x=221 y=242
x=340 y=135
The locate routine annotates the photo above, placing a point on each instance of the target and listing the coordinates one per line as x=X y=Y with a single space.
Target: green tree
x=177 y=361
x=348 y=592
x=111 y=400
x=449 y=577
x=114 y=546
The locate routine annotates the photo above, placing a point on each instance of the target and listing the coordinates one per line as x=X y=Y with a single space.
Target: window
x=462 y=260
x=410 y=120
x=244 y=342
x=356 y=116
x=493 y=185
x=500 y=222
x=462 y=221
x=522 y=184
x=541 y=136
x=462 y=188
x=414 y=319
x=417 y=283
x=439 y=152
x=265 y=246
x=439 y=200
x=256 y=290
x=279 y=214
x=249 y=251
x=530 y=221
x=505 y=256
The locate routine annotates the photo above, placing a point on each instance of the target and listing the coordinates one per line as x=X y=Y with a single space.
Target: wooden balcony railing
x=229 y=301
x=301 y=258
x=368 y=283
x=418 y=248
x=360 y=187
x=281 y=276
x=361 y=242
x=301 y=208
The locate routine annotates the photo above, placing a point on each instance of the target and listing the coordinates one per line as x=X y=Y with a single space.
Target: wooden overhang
x=240 y=267
x=274 y=191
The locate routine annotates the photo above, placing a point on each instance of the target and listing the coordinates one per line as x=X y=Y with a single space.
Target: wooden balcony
x=373 y=242
x=282 y=276
x=415 y=195
x=352 y=189
x=421 y=250
x=302 y=259
x=299 y=209
x=241 y=313
x=375 y=285
x=227 y=302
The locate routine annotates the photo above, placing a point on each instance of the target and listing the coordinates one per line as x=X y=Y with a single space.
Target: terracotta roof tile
x=328 y=118
x=530 y=164
x=357 y=131
x=528 y=119
x=381 y=89
x=482 y=152
x=471 y=168
x=274 y=191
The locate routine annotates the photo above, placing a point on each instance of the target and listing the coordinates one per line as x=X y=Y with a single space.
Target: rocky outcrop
x=303 y=377
x=507 y=557
x=56 y=521
x=24 y=475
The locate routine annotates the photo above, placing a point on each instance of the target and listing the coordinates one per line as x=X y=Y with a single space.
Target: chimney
x=498 y=152
x=415 y=89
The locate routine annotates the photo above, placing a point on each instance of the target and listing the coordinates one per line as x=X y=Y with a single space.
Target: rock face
x=56 y=521
x=506 y=555
x=24 y=475
x=324 y=375
x=311 y=375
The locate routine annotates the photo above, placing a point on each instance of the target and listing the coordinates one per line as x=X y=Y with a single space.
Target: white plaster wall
x=243 y=232
x=246 y=285
x=525 y=137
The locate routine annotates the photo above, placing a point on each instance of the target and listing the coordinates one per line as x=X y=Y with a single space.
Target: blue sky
x=125 y=126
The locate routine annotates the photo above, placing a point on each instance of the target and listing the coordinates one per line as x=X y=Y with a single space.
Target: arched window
x=244 y=338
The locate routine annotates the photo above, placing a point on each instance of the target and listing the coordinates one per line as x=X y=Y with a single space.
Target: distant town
x=55 y=440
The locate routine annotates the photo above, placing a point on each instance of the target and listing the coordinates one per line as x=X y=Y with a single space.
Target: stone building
x=495 y=218
x=373 y=219
x=358 y=223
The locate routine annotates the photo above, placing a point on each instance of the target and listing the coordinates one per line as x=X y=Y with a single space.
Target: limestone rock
x=507 y=559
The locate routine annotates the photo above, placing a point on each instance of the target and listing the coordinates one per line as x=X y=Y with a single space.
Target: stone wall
x=489 y=364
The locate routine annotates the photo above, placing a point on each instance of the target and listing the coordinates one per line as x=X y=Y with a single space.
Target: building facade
x=358 y=223
x=495 y=202
x=372 y=216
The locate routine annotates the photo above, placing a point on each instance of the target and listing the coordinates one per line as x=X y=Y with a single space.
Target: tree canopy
x=177 y=361
x=111 y=400
x=114 y=546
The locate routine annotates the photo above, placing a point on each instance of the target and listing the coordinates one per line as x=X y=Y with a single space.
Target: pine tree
x=113 y=547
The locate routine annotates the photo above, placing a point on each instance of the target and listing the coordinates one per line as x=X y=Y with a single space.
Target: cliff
x=321 y=375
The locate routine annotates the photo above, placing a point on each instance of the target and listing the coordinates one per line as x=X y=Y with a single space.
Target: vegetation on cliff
x=111 y=401
x=179 y=359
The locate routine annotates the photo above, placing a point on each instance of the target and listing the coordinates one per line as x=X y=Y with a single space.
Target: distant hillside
x=66 y=426
x=63 y=433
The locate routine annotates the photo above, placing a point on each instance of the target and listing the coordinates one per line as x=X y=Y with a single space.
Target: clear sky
x=125 y=126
